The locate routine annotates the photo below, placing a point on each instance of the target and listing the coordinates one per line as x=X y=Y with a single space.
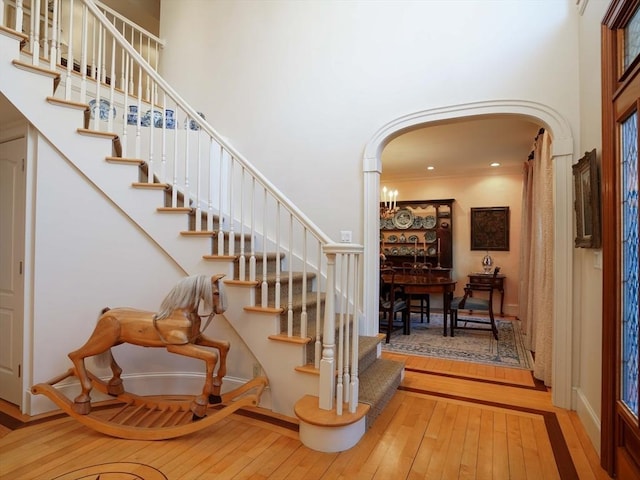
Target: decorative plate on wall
x=403 y=219
x=429 y=221
x=430 y=237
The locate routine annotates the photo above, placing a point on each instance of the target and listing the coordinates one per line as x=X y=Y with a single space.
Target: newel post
x=328 y=361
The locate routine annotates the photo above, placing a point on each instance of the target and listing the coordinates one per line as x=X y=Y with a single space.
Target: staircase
x=277 y=298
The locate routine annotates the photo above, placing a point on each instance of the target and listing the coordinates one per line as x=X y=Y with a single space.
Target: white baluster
x=252 y=258
x=210 y=193
x=290 y=281
x=242 y=273
x=198 y=175
x=112 y=85
x=231 y=227
x=278 y=266
x=355 y=381
x=327 y=364
x=318 y=345
x=83 y=56
x=303 y=315
x=54 y=36
x=70 y=60
x=34 y=37
x=264 y=251
x=220 y=214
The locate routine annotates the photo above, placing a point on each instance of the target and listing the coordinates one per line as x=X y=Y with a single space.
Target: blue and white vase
x=193 y=125
x=146 y=120
x=169 y=119
x=105 y=109
x=132 y=116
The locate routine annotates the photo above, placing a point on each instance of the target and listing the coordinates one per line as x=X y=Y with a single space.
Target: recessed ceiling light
x=431 y=167
x=495 y=164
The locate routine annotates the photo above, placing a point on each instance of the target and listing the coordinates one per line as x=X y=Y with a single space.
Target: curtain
x=536 y=257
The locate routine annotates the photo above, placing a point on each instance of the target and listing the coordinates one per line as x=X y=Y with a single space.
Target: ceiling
x=460 y=147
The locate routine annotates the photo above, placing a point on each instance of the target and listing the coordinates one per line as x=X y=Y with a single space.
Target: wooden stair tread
x=307 y=410
x=153 y=186
x=198 y=233
x=67 y=103
x=127 y=161
x=21 y=37
x=281 y=337
x=96 y=133
x=35 y=68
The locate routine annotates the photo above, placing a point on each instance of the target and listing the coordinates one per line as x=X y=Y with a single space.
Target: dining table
x=418 y=284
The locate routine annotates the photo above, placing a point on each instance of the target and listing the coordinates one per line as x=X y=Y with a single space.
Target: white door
x=12 y=212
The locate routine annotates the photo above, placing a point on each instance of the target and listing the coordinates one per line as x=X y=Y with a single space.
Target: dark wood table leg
x=445 y=312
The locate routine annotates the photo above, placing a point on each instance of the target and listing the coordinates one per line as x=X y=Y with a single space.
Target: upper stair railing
x=111 y=64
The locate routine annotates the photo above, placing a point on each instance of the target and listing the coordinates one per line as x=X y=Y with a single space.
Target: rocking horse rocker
x=176 y=327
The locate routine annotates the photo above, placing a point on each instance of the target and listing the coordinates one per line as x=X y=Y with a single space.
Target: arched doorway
x=554 y=123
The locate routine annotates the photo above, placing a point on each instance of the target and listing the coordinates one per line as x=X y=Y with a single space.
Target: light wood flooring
x=448 y=420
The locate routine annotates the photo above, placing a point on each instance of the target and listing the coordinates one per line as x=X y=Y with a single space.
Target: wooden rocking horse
x=176 y=327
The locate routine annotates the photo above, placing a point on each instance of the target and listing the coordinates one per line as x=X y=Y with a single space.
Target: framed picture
x=490 y=228
x=587 y=201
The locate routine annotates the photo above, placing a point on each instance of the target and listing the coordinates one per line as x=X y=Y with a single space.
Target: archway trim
x=562 y=152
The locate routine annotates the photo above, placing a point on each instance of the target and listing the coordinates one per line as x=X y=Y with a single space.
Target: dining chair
x=424 y=270
x=392 y=303
x=470 y=302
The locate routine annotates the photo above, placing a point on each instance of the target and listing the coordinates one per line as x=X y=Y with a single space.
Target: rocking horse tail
x=103 y=360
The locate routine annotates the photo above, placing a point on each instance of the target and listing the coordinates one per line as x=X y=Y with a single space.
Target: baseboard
x=589 y=418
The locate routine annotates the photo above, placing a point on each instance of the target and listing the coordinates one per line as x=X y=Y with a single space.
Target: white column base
x=331 y=439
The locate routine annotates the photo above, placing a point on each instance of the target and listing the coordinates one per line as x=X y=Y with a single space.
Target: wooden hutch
x=419 y=231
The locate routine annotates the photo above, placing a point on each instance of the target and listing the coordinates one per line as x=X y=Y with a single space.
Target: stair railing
x=203 y=175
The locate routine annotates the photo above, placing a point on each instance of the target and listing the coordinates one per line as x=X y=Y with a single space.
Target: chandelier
x=388 y=203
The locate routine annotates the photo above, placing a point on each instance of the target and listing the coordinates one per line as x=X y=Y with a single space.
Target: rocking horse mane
x=186 y=295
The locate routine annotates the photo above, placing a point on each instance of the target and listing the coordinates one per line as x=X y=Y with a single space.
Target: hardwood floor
x=448 y=420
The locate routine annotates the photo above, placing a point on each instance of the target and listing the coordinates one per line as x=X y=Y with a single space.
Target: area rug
x=476 y=346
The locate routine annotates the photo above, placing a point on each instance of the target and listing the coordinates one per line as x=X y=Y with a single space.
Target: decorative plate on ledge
x=403 y=219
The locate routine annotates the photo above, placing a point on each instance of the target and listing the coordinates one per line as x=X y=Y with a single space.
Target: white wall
x=84 y=255
x=588 y=262
x=300 y=87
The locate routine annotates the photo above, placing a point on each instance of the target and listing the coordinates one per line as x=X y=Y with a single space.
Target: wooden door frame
x=613 y=89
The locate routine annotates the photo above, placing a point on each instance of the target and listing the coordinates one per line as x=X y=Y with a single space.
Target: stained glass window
x=632 y=39
x=629 y=331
